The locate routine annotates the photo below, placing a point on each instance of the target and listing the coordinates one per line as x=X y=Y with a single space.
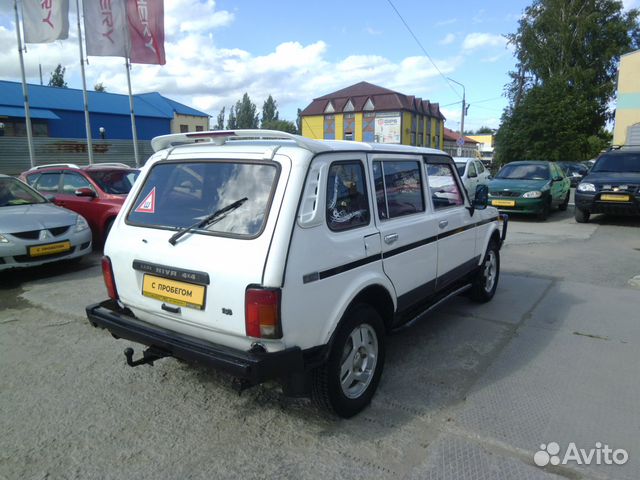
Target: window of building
x=398 y=188
x=347 y=201
x=445 y=191
x=199 y=128
x=349 y=126
x=184 y=128
x=329 y=127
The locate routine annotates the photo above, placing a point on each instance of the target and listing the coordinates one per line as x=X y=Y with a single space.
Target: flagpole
x=87 y=122
x=25 y=89
x=133 y=116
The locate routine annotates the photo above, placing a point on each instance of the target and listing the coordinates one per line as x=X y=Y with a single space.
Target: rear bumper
x=255 y=367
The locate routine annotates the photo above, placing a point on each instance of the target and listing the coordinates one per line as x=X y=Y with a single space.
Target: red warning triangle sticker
x=148 y=205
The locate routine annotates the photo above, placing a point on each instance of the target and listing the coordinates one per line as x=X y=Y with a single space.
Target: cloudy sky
x=297 y=51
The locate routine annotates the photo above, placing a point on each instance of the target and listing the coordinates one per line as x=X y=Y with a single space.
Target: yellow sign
x=174 y=292
x=614 y=198
x=50 y=249
x=503 y=203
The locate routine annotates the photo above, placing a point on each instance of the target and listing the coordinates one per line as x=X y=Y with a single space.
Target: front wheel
x=546 y=210
x=582 y=216
x=485 y=282
x=563 y=206
x=346 y=383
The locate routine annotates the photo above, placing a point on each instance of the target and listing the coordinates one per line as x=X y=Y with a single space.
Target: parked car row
x=35 y=230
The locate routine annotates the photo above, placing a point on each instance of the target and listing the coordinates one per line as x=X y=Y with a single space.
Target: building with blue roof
x=59 y=113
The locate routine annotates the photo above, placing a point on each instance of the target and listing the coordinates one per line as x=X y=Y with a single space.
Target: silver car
x=34 y=231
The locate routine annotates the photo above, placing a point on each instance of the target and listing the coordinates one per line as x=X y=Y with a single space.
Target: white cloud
x=474 y=41
x=444 y=23
x=373 y=31
x=448 y=39
x=629 y=4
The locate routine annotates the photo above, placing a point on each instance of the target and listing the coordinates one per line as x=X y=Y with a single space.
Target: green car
x=533 y=187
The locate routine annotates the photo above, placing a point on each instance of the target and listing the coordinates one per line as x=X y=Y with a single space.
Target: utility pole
x=464 y=106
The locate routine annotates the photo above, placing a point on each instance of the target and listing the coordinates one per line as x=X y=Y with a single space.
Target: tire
x=546 y=210
x=563 y=206
x=582 y=216
x=485 y=282
x=349 y=396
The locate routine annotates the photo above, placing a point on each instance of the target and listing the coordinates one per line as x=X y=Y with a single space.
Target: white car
x=473 y=173
x=273 y=256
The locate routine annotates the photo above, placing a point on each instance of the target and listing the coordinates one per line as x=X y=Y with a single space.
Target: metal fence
x=14 y=152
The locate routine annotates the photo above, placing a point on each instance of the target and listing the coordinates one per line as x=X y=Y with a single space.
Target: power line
x=423 y=49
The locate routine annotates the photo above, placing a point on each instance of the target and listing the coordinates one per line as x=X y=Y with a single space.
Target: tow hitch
x=149 y=356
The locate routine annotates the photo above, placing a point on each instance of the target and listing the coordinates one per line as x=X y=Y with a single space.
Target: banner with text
x=105 y=27
x=146 y=31
x=45 y=21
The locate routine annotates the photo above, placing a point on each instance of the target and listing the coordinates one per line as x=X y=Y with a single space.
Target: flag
x=45 y=21
x=105 y=27
x=146 y=31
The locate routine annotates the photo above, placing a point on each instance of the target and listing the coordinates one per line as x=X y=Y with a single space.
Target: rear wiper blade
x=206 y=220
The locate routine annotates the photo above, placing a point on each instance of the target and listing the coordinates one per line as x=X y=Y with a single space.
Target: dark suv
x=96 y=191
x=612 y=186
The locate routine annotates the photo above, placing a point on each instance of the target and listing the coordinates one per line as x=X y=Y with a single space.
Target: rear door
x=408 y=228
x=456 y=233
x=88 y=207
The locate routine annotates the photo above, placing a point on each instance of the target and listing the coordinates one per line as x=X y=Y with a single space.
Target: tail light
x=262 y=313
x=109 y=281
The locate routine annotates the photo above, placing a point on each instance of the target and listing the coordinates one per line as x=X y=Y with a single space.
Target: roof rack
x=69 y=165
x=626 y=145
x=108 y=164
x=220 y=137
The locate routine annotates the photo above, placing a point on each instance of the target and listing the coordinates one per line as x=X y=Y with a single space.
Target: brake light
x=109 y=281
x=262 y=313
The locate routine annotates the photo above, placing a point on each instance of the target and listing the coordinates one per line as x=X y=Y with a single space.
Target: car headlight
x=586 y=187
x=81 y=224
x=534 y=194
x=3 y=239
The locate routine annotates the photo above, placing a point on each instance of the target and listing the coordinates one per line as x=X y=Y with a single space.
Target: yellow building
x=485 y=145
x=627 y=126
x=367 y=113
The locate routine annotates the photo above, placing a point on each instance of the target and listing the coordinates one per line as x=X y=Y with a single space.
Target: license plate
x=503 y=203
x=49 y=249
x=182 y=294
x=614 y=198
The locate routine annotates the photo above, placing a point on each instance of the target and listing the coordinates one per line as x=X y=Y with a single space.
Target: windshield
x=619 y=162
x=179 y=195
x=14 y=192
x=114 y=182
x=526 y=171
x=460 y=167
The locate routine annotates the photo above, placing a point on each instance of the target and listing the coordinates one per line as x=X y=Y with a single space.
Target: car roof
x=529 y=162
x=83 y=168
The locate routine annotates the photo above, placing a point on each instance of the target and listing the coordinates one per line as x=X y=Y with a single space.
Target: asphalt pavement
x=472 y=392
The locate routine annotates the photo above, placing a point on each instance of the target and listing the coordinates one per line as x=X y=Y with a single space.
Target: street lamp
x=463 y=107
x=102 y=132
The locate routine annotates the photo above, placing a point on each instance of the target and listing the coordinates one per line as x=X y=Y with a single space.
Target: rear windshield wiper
x=206 y=220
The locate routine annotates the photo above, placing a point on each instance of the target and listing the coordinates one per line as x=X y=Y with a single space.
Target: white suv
x=272 y=256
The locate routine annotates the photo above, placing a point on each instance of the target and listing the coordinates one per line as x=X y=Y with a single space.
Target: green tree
x=99 y=87
x=232 y=122
x=246 y=116
x=220 y=121
x=299 y=121
x=269 y=111
x=57 y=77
x=484 y=131
x=281 y=125
x=567 y=55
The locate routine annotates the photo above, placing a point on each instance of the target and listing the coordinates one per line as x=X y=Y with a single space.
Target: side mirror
x=481 y=199
x=84 y=192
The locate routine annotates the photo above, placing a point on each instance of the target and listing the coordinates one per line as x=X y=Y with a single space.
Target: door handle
x=443 y=223
x=389 y=239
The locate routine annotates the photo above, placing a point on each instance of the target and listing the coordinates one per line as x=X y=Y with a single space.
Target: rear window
x=177 y=195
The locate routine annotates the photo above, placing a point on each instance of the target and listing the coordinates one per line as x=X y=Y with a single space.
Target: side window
x=31 y=179
x=347 y=202
x=472 y=170
x=445 y=192
x=398 y=188
x=48 y=182
x=72 y=181
x=480 y=167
